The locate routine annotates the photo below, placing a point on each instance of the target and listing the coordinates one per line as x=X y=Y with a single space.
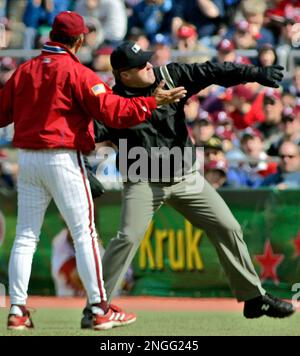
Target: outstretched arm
x=98 y=100
x=196 y=77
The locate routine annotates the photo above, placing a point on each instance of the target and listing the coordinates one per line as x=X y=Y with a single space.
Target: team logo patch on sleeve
x=98 y=89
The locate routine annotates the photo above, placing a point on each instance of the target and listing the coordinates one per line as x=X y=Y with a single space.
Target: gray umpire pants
x=204 y=208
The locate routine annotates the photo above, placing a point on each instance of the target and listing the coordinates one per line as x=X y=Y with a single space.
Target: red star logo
x=297 y=245
x=269 y=263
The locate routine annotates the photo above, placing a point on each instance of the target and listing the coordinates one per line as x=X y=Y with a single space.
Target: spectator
x=226 y=53
x=206 y=15
x=266 y=55
x=191 y=110
x=37 y=13
x=13 y=35
x=92 y=40
x=252 y=164
x=242 y=37
x=294 y=87
x=281 y=9
x=213 y=150
x=288 y=99
x=288 y=172
x=8 y=66
x=252 y=145
x=57 y=6
x=225 y=130
x=187 y=41
x=242 y=99
x=111 y=14
x=215 y=172
x=289 y=129
x=272 y=109
x=138 y=36
x=202 y=129
x=153 y=16
x=213 y=99
x=15 y=10
x=101 y=64
x=287 y=38
x=253 y=11
x=13 y=32
x=161 y=46
x=6 y=38
x=256 y=115
x=231 y=8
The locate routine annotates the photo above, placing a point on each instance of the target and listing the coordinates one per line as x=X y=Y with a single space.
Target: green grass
x=66 y=322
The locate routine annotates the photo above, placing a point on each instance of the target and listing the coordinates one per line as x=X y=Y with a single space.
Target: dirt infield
x=143 y=303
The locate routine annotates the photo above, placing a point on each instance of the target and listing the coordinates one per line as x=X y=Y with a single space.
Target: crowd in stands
x=251 y=134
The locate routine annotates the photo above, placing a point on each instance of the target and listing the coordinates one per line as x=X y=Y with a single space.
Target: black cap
x=214 y=143
x=129 y=55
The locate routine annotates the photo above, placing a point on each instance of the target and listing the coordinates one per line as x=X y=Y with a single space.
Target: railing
x=286 y=57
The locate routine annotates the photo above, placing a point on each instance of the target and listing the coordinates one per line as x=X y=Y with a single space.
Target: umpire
x=202 y=206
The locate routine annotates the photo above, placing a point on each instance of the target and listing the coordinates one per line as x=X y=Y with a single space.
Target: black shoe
x=269 y=306
x=87 y=319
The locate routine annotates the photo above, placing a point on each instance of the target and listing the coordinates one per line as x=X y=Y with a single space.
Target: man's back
x=53 y=119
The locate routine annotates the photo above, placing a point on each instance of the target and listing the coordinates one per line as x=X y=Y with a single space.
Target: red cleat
x=113 y=318
x=16 y=322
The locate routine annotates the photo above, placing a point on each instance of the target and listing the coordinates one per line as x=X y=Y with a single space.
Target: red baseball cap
x=186 y=31
x=241 y=91
x=225 y=46
x=70 y=24
x=220 y=165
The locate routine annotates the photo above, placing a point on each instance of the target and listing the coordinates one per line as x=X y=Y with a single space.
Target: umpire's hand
x=164 y=97
x=268 y=76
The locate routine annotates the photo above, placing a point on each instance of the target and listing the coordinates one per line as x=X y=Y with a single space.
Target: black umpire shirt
x=167 y=127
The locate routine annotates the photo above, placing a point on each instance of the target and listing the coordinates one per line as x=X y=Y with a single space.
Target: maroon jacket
x=53 y=99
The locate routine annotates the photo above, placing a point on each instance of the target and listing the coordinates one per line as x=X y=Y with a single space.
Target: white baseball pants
x=58 y=174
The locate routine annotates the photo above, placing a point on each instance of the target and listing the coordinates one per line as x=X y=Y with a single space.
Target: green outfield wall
x=176 y=259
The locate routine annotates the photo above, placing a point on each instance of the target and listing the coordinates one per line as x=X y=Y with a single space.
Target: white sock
x=16 y=310
x=97 y=310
